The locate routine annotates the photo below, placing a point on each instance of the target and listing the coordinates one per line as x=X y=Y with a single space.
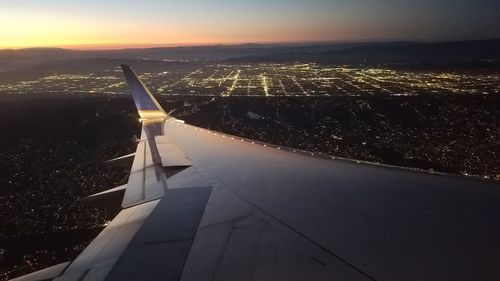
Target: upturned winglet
x=147 y=106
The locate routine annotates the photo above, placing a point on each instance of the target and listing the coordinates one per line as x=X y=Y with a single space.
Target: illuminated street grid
x=270 y=80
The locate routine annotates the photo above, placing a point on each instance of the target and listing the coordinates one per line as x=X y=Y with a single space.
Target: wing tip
x=147 y=106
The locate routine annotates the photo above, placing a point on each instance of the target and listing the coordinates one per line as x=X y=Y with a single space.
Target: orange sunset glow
x=120 y=24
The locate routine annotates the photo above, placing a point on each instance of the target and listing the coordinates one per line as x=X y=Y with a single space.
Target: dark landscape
x=403 y=52
x=54 y=153
x=52 y=156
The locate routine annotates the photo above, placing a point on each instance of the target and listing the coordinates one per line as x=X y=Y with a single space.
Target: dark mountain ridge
x=344 y=53
x=393 y=52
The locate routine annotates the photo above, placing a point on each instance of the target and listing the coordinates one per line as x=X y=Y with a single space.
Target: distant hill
x=15 y=59
x=393 y=52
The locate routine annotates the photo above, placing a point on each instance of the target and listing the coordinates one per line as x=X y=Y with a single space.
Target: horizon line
x=126 y=46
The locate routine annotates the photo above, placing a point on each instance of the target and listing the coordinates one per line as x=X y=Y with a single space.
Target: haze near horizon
x=95 y=24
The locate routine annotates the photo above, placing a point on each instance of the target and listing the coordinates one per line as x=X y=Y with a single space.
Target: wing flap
x=159 y=249
x=44 y=274
x=170 y=153
x=95 y=262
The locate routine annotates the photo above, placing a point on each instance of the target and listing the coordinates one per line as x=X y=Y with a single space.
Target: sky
x=99 y=24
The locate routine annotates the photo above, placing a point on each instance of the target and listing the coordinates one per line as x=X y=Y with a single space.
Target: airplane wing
x=202 y=205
